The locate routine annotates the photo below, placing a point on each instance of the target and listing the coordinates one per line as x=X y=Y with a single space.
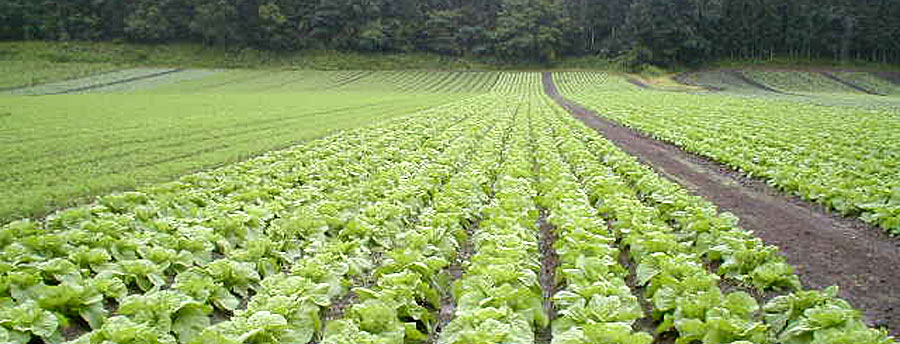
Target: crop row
x=843 y=159
x=594 y=303
x=404 y=298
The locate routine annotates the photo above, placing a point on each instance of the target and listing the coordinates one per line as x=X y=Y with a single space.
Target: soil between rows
x=825 y=249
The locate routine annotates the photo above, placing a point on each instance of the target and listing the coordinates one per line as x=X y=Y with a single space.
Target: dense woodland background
x=654 y=31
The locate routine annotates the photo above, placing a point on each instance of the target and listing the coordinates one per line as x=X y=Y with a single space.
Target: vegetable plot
x=357 y=238
x=845 y=159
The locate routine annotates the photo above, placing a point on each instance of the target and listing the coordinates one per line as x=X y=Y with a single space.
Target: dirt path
x=825 y=249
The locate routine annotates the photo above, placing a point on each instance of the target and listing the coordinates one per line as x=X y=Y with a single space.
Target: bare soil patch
x=825 y=249
x=549 y=264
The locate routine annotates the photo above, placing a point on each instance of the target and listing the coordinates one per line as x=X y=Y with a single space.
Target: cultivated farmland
x=845 y=159
x=410 y=207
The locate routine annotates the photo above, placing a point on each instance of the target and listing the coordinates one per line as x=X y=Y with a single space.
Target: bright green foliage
x=818 y=317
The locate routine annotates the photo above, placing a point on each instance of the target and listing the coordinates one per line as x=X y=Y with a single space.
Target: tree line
x=655 y=31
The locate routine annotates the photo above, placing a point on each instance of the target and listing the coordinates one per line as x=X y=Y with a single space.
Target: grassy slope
x=59 y=150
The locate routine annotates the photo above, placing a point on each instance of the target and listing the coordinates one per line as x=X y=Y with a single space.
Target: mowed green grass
x=61 y=150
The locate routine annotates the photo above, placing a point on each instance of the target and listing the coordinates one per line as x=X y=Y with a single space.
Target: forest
x=662 y=32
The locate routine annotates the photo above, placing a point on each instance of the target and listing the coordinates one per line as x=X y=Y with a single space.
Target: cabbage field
x=845 y=159
x=404 y=207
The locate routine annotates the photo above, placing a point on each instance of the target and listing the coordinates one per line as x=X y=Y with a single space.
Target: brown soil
x=645 y=324
x=549 y=263
x=825 y=249
x=337 y=309
x=455 y=271
x=847 y=83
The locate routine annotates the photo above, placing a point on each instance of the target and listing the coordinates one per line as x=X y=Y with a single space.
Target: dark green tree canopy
x=657 y=31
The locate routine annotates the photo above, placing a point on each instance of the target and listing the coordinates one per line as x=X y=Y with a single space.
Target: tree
x=656 y=31
x=669 y=30
x=529 y=29
x=157 y=20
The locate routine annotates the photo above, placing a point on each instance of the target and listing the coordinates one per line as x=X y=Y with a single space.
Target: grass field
x=353 y=207
x=59 y=150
